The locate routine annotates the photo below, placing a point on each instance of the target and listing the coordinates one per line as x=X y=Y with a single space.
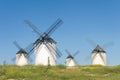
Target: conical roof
x=98 y=49
x=70 y=57
x=45 y=40
x=21 y=51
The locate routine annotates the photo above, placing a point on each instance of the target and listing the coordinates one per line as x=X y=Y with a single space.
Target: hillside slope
x=11 y=72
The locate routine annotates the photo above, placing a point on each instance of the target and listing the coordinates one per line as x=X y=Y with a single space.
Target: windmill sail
x=45 y=46
x=70 y=61
x=98 y=56
x=21 y=55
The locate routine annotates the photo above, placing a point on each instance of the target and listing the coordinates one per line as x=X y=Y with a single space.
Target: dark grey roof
x=45 y=40
x=98 y=49
x=21 y=51
x=70 y=57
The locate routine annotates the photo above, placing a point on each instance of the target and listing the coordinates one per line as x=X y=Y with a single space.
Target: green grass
x=59 y=72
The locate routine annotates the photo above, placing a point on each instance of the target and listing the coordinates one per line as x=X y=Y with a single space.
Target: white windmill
x=21 y=56
x=98 y=55
x=45 y=50
x=70 y=61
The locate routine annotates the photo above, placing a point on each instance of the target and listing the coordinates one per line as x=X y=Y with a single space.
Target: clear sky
x=98 y=20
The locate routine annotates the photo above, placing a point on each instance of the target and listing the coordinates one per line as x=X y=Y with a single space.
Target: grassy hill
x=12 y=72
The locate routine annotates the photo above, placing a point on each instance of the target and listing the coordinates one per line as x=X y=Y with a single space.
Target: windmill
x=21 y=56
x=98 y=55
x=45 y=50
x=70 y=61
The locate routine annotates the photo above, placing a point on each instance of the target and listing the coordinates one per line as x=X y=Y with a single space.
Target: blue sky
x=98 y=20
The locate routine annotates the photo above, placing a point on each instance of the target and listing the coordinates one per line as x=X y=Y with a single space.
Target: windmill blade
x=57 y=51
x=102 y=58
x=108 y=44
x=31 y=48
x=75 y=62
x=51 y=51
x=33 y=27
x=91 y=42
x=26 y=55
x=17 y=45
x=30 y=51
x=73 y=55
x=13 y=59
x=68 y=62
x=53 y=27
x=30 y=59
x=88 y=58
x=95 y=55
x=67 y=52
x=76 y=53
x=28 y=48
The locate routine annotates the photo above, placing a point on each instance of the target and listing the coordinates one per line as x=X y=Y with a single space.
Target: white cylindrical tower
x=21 y=58
x=70 y=61
x=45 y=53
x=98 y=56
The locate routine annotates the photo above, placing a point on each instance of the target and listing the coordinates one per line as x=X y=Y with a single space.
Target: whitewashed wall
x=21 y=59
x=97 y=59
x=42 y=53
x=70 y=62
